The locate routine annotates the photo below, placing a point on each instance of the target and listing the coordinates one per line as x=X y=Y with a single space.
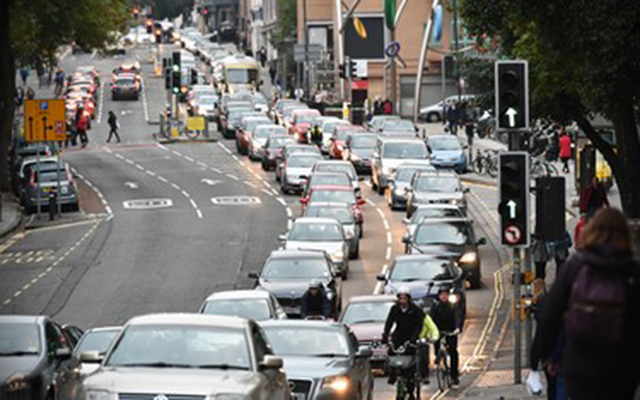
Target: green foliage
x=287 y=22
x=479 y=72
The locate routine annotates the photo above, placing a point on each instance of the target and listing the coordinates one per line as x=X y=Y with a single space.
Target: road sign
x=392 y=49
x=361 y=69
x=514 y=202
x=45 y=120
x=196 y=123
x=512 y=95
x=314 y=52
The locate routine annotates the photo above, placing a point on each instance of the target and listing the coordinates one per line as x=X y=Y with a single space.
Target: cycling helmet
x=403 y=291
x=444 y=288
x=315 y=284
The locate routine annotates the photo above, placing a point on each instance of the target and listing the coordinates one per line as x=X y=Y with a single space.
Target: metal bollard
x=53 y=205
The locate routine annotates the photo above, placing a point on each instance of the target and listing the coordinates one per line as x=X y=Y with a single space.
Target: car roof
x=438 y=206
x=238 y=294
x=307 y=111
x=424 y=257
x=23 y=319
x=280 y=254
x=329 y=173
x=443 y=136
x=332 y=188
x=372 y=299
x=283 y=323
x=437 y=173
x=334 y=204
x=392 y=139
x=103 y=329
x=334 y=162
x=316 y=220
x=448 y=220
x=188 y=319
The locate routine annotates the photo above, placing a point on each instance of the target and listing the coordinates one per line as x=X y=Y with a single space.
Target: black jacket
x=315 y=305
x=408 y=324
x=112 y=121
x=604 y=365
x=446 y=316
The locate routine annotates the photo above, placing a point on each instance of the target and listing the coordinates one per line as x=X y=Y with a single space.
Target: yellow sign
x=44 y=120
x=359 y=27
x=197 y=123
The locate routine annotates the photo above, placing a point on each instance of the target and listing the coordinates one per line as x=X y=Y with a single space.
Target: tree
x=32 y=31
x=583 y=61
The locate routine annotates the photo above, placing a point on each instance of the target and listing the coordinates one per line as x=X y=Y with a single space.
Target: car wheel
x=475 y=279
x=433 y=117
x=74 y=207
x=355 y=254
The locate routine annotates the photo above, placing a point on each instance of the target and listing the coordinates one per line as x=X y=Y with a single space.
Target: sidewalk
x=11 y=215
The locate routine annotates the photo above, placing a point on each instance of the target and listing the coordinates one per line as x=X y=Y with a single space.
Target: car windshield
x=19 y=339
x=437 y=184
x=397 y=125
x=307 y=342
x=333 y=196
x=242 y=75
x=375 y=311
x=207 y=100
x=330 y=127
x=236 y=114
x=296 y=268
x=181 y=346
x=363 y=141
x=255 y=309
x=280 y=142
x=305 y=119
x=404 y=150
x=337 y=167
x=444 y=144
x=303 y=161
x=124 y=82
x=406 y=173
x=343 y=214
x=315 y=232
x=251 y=124
x=421 y=270
x=445 y=233
x=342 y=134
x=96 y=341
x=429 y=212
x=330 y=179
x=265 y=132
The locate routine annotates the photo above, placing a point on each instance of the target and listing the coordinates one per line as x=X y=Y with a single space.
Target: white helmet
x=403 y=291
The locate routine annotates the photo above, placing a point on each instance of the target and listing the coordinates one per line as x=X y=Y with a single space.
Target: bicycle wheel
x=492 y=167
x=192 y=134
x=401 y=390
x=478 y=165
x=442 y=371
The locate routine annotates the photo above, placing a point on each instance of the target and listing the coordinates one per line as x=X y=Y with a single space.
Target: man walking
x=113 y=126
x=81 y=127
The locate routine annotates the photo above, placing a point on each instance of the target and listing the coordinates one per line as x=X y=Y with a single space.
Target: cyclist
x=431 y=334
x=448 y=318
x=315 y=302
x=316 y=135
x=408 y=321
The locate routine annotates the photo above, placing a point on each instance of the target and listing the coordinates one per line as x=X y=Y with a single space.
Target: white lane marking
x=225 y=148
x=289 y=213
x=193 y=203
x=199 y=213
x=93 y=53
x=210 y=182
x=216 y=170
x=185 y=194
x=281 y=201
x=132 y=185
x=267 y=192
x=65 y=54
x=289 y=224
x=189 y=159
x=100 y=104
x=235 y=178
x=388 y=255
x=388 y=237
x=250 y=184
x=177 y=153
x=163 y=179
x=151 y=173
x=145 y=106
x=203 y=165
x=119 y=156
x=163 y=147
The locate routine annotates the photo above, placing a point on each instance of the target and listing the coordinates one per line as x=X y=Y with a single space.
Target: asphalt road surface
x=172 y=224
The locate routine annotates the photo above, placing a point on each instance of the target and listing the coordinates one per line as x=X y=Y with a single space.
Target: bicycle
x=406 y=368
x=540 y=168
x=442 y=361
x=486 y=162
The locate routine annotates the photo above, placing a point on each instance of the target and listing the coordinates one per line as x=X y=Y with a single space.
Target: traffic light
x=352 y=68
x=205 y=11
x=176 y=78
x=514 y=199
x=194 y=76
x=158 y=35
x=341 y=71
x=167 y=78
x=149 y=26
x=512 y=94
x=175 y=60
x=550 y=208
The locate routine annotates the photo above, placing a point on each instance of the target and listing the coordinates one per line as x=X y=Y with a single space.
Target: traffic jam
x=294 y=335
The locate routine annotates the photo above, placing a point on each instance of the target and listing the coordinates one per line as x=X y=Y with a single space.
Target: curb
x=14 y=225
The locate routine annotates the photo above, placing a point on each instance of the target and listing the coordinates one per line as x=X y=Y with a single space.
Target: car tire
x=433 y=117
x=355 y=254
x=74 y=207
x=476 y=279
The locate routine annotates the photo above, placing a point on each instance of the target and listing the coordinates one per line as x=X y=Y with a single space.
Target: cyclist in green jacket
x=429 y=334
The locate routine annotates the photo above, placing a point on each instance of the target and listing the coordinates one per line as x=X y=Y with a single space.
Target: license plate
x=47 y=189
x=299 y=396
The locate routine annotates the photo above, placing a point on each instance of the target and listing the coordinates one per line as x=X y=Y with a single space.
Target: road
x=159 y=239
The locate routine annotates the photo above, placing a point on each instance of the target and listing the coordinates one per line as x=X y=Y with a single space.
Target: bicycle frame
x=401 y=383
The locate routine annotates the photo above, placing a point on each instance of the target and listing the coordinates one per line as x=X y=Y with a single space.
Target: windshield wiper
x=158 y=364
x=330 y=355
x=222 y=366
x=410 y=279
x=366 y=321
x=19 y=353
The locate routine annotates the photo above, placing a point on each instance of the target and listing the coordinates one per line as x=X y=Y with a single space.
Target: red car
x=301 y=122
x=339 y=139
x=336 y=194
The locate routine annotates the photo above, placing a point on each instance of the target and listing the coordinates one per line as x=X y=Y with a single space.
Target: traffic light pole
x=517 y=351
x=394 y=89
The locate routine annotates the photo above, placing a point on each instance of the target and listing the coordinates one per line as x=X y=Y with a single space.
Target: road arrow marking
x=210 y=182
x=132 y=185
x=512 y=209
x=511 y=113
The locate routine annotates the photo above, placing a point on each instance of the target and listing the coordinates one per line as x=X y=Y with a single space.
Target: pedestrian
x=377 y=106
x=565 y=151
x=272 y=73
x=387 y=107
x=299 y=94
x=560 y=250
x=452 y=117
x=468 y=118
x=593 y=197
x=541 y=254
x=24 y=74
x=31 y=94
x=594 y=303
x=19 y=96
x=81 y=127
x=262 y=53
x=113 y=126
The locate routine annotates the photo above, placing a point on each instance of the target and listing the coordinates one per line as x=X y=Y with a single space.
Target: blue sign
x=44 y=105
x=437 y=23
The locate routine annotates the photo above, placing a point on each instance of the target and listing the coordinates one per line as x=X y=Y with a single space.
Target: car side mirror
x=282 y=237
x=406 y=239
x=361 y=178
x=390 y=180
x=63 y=354
x=253 y=275
x=271 y=362
x=406 y=221
x=466 y=190
x=91 y=357
x=364 y=352
x=482 y=241
x=381 y=277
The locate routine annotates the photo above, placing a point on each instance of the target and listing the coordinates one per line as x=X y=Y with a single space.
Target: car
x=301 y=122
x=256 y=305
x=377 y=120
x=435 y=188
x=91 y=71
x=430 y=211
x=46 y=182
x=389 y=153
x=189 y=356
x=337 y=194
x=125 y=87
x=36 y=359
x=435 y=112
x=245 y=130
x=97 y=341
x=322 y=359
x=259 y=138
x=398 y=183
x=343 y=213
x=340 y=166
x=328 y=127
x=291 y=149
x=452 y=237
x=230 y=120
x=325 y=234
x=366 y=316
x=273 y=149
x=447 y=153
x=325 y=178
x=358 y=150
x=287 y=275
x=73 y=334
x=206 y=106
x=287 y=114
x=339 y=139
x=423 y=275
x=397 y=125
x=23 y=173
x=276 y=111
x=294 y=170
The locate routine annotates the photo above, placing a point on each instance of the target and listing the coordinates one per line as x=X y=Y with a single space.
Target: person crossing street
x=113 y=126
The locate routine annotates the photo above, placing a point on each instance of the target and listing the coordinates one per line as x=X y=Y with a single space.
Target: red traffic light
x=205 y=11
x=149 y=22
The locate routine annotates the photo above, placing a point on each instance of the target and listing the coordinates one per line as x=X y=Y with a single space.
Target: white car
x=258 y=305
x=95 y=340
x=295 y=169
x=435 y=112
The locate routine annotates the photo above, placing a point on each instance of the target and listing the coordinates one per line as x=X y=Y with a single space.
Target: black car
x=322 y=359
x=36 y=359
x=453 y=237
x=287 y=274
x=359 y=151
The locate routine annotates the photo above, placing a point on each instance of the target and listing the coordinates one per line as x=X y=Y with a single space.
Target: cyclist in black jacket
x=448 y=318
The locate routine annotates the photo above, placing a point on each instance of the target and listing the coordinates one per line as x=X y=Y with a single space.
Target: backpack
x=597 y=307
x=83 y=123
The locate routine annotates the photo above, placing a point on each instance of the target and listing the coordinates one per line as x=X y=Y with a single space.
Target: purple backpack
x=597 y=307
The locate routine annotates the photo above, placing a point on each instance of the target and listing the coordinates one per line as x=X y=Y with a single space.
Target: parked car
x=295 y=168
x=272 y=150
x=343 y=213
x=36 y=359
x=46 y=181
x=389 y=154
x=189 y=356
x=435 y=188
x=366 y=316
x=322 y=359
x=287 y=274
x=359 y=151
x=256 y=305
x=447 y=153
x=399 y=182
x=435 y=112
x=452 y=237
x=96 y=340
x=325 y=234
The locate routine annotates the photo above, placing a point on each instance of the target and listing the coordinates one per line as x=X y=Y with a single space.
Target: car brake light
x=32 y=180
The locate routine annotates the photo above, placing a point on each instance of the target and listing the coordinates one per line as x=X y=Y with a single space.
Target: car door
x=275 y=381
x=64 y=378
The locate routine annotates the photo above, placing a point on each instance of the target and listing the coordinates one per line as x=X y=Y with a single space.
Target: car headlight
x=355 y=157
x=97 y=394
x=457 y=202
x=469 y=258
x=337 y=256
x=399 y=191
x=336 y=383
x=16 y=383
x=454 y=298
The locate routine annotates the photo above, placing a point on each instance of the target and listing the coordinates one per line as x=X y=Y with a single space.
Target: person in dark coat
x=593 y=197
x=113 y=127
x=315 y=302
x=448 y=319
x=595 y=371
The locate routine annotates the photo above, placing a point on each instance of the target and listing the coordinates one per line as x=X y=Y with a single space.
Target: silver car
x=189 y=356
x=389 y=154
x=436 y=188
x=343 y=213
x=430 y=211
x=295 y=170
x=257 y=305
x=324 y=234
x=96 y=341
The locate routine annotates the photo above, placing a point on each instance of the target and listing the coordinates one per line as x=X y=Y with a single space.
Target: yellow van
x=240 y=74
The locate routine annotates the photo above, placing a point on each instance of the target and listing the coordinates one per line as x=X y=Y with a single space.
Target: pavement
x=10 y=215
